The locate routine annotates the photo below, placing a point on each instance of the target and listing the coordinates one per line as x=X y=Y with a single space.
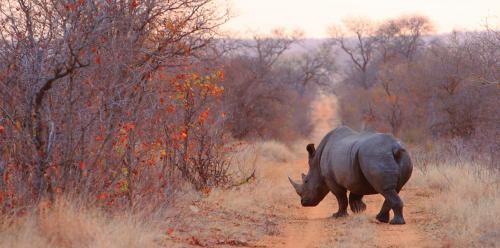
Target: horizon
x=261 y=16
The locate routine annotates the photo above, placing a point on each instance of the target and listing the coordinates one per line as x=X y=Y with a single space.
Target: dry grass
x=466 y=197
x=274 y=151
x=271 y=161
x=353 y=232
x=67 y=225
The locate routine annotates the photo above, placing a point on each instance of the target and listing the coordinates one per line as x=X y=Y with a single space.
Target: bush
x=101 y=101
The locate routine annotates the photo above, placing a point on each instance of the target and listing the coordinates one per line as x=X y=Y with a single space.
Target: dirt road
x=314 y=227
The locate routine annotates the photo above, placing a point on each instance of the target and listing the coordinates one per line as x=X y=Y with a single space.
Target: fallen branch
x=245 y=180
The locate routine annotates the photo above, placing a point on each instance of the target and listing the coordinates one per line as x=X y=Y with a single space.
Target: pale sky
x=314 y=16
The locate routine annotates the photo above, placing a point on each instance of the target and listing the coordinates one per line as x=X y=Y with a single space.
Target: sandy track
x=314 y=227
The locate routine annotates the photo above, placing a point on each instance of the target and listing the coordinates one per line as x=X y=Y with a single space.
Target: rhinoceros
x=362 y=163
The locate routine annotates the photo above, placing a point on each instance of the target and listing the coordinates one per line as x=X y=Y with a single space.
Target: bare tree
x=402 y=37
x=357 y=38
x=254 y=93
x=316 y=66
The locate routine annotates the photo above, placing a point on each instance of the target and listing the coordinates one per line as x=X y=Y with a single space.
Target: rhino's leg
x=396 y=204
x=356 y=203
x=383 y=215
x=343 y=203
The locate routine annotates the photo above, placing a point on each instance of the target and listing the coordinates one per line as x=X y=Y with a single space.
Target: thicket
x=107 y=100
x=399 y=78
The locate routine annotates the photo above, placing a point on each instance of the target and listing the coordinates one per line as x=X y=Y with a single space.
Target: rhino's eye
x=305 y=181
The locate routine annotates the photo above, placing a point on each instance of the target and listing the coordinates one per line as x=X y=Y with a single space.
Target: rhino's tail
x=403 y=160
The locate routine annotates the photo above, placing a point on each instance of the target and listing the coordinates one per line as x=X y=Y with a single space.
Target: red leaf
x=170 y=108
x=97 y=59
x=220 y=74
x=203 y=116
x=129 y=126
x=133 y=4
x=102 y=196
x=183 y=134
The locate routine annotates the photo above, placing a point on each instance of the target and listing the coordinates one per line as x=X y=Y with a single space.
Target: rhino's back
x=378 y=163
x=339 y=163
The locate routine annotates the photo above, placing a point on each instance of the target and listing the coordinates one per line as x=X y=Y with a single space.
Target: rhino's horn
x=296 y=186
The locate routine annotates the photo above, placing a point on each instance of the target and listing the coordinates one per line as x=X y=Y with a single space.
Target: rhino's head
x=313 y=188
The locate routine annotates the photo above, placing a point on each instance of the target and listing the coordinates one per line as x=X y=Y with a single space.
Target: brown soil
x=314 y=227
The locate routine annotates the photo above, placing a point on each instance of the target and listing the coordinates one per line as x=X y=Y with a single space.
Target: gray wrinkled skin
x=361 y=163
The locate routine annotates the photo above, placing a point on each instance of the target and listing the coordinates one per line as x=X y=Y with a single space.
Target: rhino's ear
x=310 y=148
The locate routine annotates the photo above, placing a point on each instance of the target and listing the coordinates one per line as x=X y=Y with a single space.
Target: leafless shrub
x=421 y=88
x=269 y=92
